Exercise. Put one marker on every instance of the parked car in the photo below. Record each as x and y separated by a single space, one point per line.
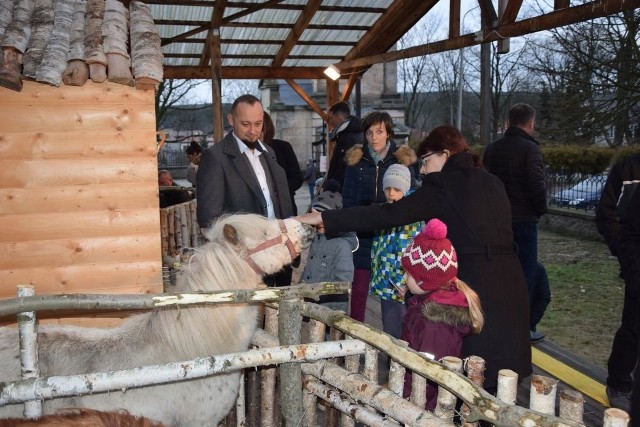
584 195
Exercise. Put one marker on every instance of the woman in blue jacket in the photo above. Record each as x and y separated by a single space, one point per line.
366 165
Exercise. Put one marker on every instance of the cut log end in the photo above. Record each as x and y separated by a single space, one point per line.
10 69
98 72
145 83
76 74
118 69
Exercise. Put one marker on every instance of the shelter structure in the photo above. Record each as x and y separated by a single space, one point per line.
79 184
299 39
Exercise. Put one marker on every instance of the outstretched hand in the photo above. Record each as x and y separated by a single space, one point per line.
312 218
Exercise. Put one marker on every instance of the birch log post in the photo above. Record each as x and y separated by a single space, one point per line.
268 386
543 394
14 43
507 386
28 333
77 71
289 324
446 401
475 367
571 405
396 374
6 15
94 52
54 59
614 417
146 50
41 28
115 34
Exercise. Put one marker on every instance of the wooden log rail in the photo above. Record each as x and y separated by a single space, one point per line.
326 370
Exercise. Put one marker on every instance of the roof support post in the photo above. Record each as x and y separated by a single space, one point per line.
216 81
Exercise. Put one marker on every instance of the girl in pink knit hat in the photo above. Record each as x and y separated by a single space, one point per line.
443 309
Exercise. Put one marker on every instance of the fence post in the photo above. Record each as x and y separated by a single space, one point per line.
543 394
267 389
29 367
289 323
507 386
571 405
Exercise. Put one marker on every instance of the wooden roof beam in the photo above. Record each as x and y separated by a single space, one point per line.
216 20
303 21
511 11
246 73
399 17
487 13
454 18
348 87
305 96
554 19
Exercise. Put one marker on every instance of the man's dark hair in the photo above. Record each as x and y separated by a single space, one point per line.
194 148
247 99
521 114
341 108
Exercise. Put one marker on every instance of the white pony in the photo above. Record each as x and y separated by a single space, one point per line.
237 242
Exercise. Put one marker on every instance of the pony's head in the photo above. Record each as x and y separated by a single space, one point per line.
266 245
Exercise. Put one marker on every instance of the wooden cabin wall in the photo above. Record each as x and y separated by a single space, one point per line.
78 190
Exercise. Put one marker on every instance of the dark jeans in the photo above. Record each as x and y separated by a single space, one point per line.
624 350
541 296
392 315
525 235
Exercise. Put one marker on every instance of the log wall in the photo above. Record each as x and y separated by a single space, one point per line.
78 190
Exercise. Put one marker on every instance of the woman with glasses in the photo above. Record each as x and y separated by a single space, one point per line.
366 165
475 207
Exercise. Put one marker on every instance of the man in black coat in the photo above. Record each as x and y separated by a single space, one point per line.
516 159
624 175
628 249
346 131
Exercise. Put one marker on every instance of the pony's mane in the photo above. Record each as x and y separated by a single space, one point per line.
215 266
218 265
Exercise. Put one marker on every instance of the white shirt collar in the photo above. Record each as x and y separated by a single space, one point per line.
243 147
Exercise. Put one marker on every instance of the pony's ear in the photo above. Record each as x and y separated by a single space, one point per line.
231 234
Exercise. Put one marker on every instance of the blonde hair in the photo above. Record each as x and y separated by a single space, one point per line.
475 308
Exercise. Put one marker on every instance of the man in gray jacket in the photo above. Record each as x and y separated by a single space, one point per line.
241 174
517 160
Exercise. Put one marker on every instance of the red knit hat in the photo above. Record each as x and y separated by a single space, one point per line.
431 258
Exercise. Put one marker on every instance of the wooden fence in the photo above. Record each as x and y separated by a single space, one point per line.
312 372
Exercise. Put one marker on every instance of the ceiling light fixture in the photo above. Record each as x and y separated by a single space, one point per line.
332 72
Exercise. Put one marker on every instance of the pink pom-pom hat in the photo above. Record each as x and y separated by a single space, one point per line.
431 258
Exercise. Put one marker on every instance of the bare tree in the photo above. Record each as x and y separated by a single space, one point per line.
595 71
176 92
416 75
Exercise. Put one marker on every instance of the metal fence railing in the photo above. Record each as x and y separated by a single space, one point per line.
574 191
168 158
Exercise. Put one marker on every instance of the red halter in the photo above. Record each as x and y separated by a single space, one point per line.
282 238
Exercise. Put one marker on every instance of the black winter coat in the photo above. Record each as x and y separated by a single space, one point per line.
286 157
475 207
345 139
517 160
627 169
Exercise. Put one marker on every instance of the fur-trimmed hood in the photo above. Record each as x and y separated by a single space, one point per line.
405 155
447 314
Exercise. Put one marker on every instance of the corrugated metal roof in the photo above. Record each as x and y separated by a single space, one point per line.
299 38
297 33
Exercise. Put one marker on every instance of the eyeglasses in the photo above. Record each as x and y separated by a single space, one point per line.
425 158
